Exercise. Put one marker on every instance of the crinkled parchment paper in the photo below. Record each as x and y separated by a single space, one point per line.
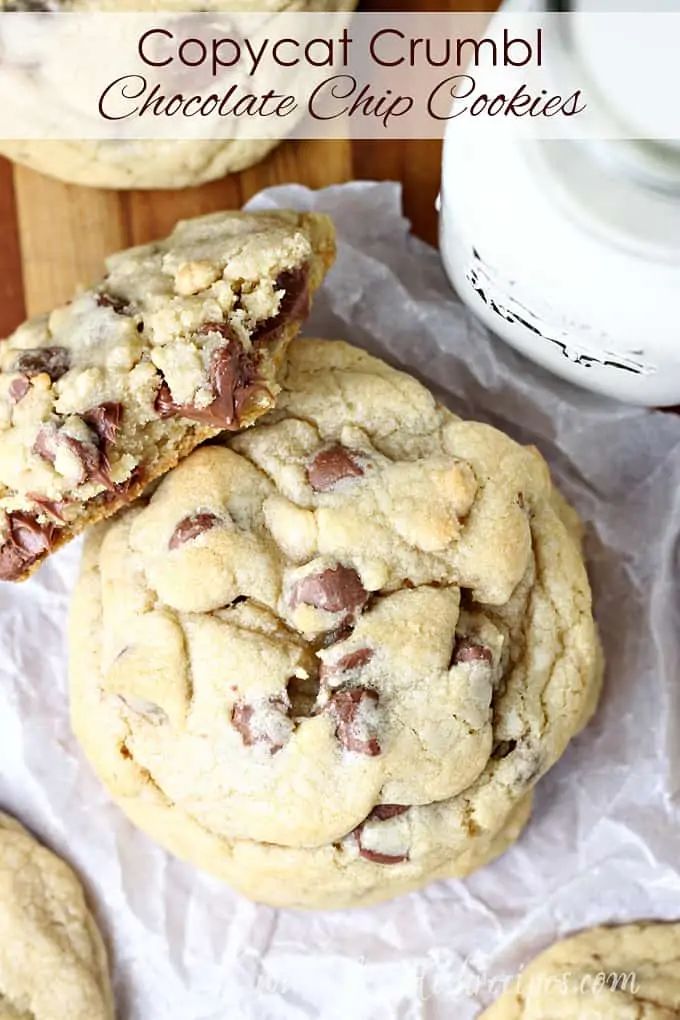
604 842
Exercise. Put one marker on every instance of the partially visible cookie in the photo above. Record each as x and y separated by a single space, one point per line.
631 972
330 658
143 163
53 962
183 338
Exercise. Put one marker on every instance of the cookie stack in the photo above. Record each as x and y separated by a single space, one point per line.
328 654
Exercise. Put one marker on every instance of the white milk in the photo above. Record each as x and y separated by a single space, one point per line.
570 250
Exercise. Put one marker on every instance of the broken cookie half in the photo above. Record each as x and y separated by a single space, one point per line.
182 339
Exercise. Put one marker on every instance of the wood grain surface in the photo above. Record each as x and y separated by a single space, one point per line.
55 236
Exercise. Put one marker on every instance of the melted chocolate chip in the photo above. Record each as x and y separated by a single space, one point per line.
53 507
293 306
93 459
467 650
164 405
233 375
95 464
54 361
26 542
335 590
18 388
351 708
223 328
105 419
122 490
331 466
190 528
234 379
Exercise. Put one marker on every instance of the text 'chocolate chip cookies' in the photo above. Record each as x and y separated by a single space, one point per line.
183 338
631 972
329 658
52 959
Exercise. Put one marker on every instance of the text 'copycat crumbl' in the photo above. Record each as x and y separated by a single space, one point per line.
330 657
182 338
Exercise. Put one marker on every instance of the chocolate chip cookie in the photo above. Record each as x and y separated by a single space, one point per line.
330 657
52 959
630 972
182 338
141 163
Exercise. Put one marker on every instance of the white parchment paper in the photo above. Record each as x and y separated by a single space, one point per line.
604 842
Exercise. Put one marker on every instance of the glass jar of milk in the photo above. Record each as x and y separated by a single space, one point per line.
570 249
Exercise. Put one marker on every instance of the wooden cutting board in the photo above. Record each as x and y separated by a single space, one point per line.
55 236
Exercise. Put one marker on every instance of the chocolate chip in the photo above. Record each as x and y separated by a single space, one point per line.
353 708
54 361
353 660
95 467
467 650
336 589
378 858
223 328
380 813
118 304
266 723
53 507
293 306
122 491
164 405
331 466
45 443
233 377
234 372
240 719
94 462
27 540
190 528
18 388
105 419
